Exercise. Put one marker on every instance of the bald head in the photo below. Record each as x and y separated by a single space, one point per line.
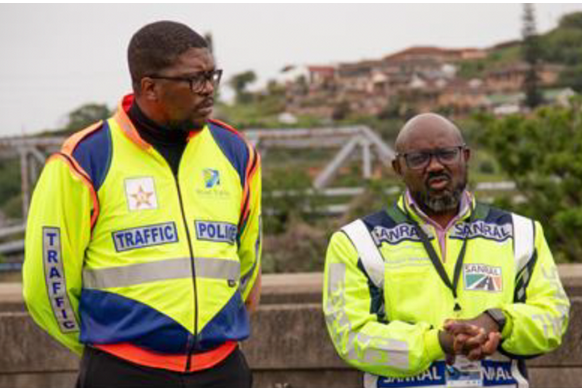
432 161
427 126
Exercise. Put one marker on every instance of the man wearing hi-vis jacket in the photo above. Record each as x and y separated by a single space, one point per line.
440 290
143 239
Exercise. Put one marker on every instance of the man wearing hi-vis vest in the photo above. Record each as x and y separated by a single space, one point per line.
143 239
440 290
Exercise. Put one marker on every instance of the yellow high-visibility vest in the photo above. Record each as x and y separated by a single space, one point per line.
384 301
119 250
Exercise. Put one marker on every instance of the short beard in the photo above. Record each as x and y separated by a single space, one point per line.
444 203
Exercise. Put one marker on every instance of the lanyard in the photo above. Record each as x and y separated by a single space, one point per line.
435 259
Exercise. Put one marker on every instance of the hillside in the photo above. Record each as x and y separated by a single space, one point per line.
560 46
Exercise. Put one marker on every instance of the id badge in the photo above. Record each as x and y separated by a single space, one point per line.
464 373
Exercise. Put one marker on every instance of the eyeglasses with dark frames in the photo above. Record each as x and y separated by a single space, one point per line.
197 82
421 159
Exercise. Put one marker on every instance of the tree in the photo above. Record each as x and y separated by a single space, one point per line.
542 153
239 82
532 55
572 20
85 115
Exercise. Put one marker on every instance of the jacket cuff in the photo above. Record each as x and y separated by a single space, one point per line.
507 331
433 346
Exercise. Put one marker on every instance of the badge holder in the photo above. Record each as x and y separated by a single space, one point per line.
464 373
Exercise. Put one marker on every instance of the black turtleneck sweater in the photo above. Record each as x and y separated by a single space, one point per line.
170 143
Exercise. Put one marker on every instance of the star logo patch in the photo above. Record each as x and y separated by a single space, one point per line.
140 193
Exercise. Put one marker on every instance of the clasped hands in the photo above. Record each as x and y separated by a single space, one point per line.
474 339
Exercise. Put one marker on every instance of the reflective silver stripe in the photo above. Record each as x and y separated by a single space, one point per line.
523 241
160 270
368 252
217 268
360 346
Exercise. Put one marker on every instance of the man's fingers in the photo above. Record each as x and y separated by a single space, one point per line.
475 354
477 340
459 342
448 325
460 327
492 343
486 349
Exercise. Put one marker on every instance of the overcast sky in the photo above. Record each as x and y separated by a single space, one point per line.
55 58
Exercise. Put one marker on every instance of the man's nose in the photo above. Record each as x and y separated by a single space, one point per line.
435 164
208 88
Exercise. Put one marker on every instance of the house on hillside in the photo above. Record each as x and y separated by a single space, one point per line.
511 78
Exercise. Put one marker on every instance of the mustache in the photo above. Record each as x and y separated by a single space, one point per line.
440 175
207 102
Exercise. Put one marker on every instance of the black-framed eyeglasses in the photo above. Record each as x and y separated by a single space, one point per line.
197 82
421 159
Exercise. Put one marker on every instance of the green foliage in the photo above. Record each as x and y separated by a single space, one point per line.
495 59
12 208
373 199
86 115
572 78
531 54
239 82
542 154
284 198
10 178
486 167
572 20
301 248
562 45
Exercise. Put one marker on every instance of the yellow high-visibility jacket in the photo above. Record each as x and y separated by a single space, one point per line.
384 301
119 250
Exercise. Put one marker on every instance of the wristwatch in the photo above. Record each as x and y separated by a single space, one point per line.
498 316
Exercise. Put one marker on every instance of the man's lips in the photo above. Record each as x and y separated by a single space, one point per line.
207 105
438 182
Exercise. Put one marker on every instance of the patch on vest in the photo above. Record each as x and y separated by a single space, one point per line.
55 280
480 277
211 177
140 193
145 236
212 185
216 231
490 231
493 373
398 233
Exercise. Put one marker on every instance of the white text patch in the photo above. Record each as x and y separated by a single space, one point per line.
216 231
55 280
144 236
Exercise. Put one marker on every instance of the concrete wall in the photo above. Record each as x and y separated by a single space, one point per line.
289 346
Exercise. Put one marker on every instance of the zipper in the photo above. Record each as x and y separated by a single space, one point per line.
191 341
